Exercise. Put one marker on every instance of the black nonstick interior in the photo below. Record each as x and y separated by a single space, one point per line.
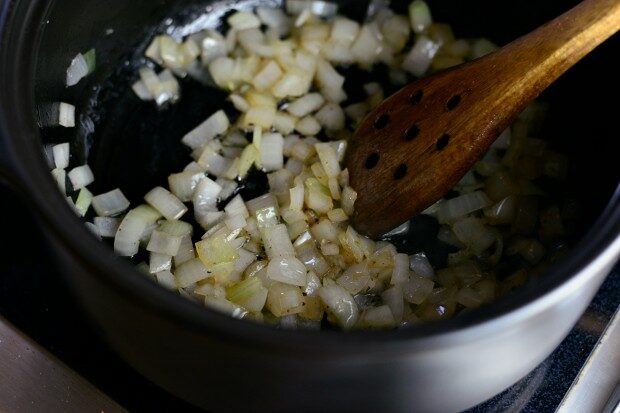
132 145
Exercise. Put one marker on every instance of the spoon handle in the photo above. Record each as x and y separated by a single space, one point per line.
531 63
416 145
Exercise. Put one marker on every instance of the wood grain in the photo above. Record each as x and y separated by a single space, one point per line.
491 91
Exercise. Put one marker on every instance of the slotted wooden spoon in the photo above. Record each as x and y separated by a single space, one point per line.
416 145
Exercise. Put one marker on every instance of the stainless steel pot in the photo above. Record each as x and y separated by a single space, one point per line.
229 365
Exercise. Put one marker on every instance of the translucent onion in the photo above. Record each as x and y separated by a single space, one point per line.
341 304
81 177
167 204
110 204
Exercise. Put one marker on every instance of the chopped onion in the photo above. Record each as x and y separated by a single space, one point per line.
183 184
243 20
191 272
60 175
107 226
417 289
66 115
378 317
308 126
110 204
368 45
277 242
287 270
164 243
81 176
420 16
420 265
215 125
61 155
393 298
127 239
159 262
474 234
305 105
316 7
81 66
167 204
271 152
284 299
456 208
400 273
419 59
83 202
341 304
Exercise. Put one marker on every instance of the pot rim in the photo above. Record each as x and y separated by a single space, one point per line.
597 250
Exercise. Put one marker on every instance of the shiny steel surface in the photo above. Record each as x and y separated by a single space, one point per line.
32 380
597 388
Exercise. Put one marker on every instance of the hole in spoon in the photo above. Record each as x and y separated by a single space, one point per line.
372 160
382 121
400 172
412 133
443 141
453 102
416 97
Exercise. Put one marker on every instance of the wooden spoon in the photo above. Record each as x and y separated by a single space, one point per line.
416 145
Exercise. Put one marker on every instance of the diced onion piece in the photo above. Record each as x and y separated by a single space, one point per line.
107 226
213 47
277 242
368 45
84 199
81 177
260 116
308 126
127 239
183 184
419 59
191 272
456 208
474 234
111 203
216 124
331 117
344 31
329 159
420 265
341 304
293 83
284 299
396 31
159 262
142 91
337 215
66 115
164 243
271 152
400 273
417 289
419 16
275 19
393 298
249 294
315 7
166 280
267 76
61 155
167 204
243 20
287 270
60 175
348 198
378 317
305 105
81 66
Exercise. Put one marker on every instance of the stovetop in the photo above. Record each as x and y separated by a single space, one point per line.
34 299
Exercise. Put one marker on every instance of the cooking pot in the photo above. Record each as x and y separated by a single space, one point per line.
223 364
